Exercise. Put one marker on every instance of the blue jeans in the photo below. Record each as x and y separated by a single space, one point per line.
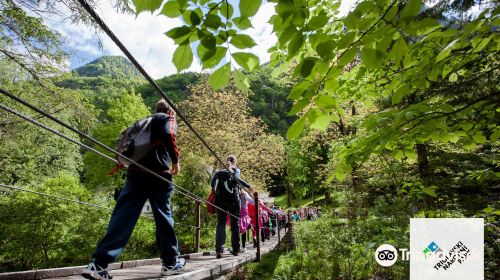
138 188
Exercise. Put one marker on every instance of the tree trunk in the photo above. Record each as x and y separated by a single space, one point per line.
423 162
288 196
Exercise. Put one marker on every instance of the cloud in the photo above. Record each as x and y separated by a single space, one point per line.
262 32
144 37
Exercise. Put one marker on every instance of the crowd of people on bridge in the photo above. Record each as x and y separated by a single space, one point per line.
306 213
234 202
236 208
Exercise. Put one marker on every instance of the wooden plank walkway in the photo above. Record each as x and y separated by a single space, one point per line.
198 266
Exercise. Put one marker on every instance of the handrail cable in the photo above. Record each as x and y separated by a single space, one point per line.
56 197
80 202
184 191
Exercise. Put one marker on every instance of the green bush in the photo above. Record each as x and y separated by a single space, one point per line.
336 249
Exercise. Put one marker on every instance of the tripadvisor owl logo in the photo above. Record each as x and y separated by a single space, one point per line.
386 255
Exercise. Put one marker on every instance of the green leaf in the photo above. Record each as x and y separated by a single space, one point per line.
171 9
346 40
422 27
319 120
410 10
179 34
242 23
295 44
226 9
453 77
447 50
430 192
372 58
248 8
495 135
325 49
195 18
325 102
287 34
242 41
399 50
348 56
298 89
479 138
398 95
352 19
332 84
220 78
183 57
220 52
307 66
285 9
205 53
241 80
482 43
146 5
318 22
296 128
298 107
213 21
248 61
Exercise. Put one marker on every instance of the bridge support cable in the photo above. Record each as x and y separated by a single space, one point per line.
181 190
65 199
56 197
91 12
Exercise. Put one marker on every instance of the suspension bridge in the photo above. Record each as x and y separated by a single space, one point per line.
199 265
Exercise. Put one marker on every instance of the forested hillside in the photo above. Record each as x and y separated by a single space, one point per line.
116 67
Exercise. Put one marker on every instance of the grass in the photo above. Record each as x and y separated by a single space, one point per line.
263 269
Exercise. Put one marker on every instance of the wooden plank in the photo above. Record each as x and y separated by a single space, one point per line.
198 266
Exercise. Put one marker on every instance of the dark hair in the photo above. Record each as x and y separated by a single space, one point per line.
232 159
163 107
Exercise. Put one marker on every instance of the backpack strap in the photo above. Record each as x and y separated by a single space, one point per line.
116 168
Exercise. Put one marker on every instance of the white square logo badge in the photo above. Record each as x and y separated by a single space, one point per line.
447 249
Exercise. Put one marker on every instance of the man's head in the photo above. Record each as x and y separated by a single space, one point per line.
163 107
231 162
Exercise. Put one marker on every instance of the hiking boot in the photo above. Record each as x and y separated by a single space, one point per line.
235 253
95 272
219 255
242 250
173 269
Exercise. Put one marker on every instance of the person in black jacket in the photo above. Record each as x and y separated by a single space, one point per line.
163 159
226 183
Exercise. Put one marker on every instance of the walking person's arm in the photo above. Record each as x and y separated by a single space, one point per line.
171 144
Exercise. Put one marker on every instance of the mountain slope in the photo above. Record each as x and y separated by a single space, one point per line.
116 67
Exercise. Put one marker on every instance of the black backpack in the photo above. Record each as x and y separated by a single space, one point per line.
134 142
226 188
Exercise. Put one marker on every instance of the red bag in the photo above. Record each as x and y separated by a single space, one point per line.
211 199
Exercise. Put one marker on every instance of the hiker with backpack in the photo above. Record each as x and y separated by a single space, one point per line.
226 183
151 143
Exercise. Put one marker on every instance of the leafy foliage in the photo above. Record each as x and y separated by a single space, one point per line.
223 118
123 111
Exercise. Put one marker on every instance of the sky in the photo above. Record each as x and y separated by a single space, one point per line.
145 37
